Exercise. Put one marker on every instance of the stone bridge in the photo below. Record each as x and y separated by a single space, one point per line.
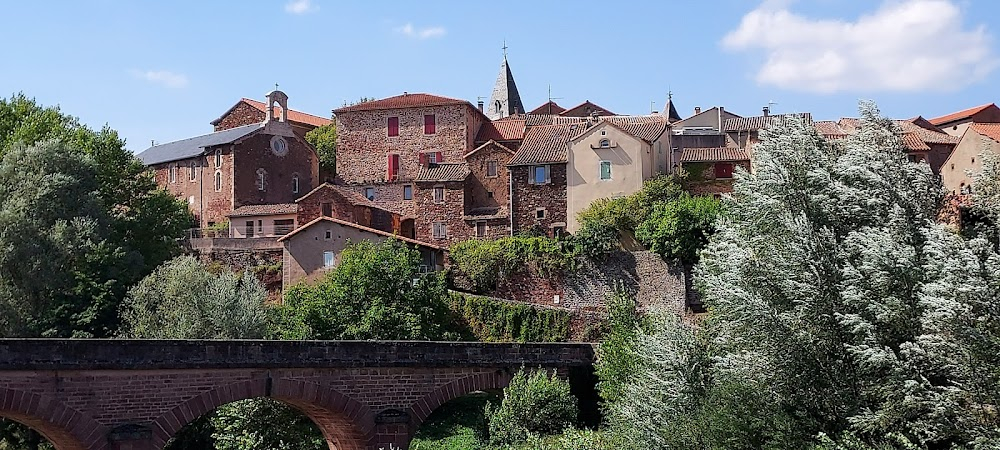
95 394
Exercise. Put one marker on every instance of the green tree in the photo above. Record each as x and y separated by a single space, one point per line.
533 405
680 228
324 140
375 292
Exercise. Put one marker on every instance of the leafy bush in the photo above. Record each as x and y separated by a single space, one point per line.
532 405
491 320
679 229
264 424
606 219
486 262
375 292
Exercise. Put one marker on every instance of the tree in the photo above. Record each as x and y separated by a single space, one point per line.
375 292
680 228
533 405
324 140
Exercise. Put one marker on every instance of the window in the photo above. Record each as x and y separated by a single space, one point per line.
604 132
261 179
393 124
173 173
295 184
440 230
192 170
498 105
539 213
327 209
283 226
489 194
539 175
218 181
327 235
260 225
248 228
328 259
481 229
407 192
432 158
491 169
438 194
723 170
370 193
279 146
218 158
392 168
605 143
558 232
605 170
430 124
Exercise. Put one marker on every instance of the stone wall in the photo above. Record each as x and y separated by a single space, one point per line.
449 212
255 153
527 198
241 114
205 202
483 191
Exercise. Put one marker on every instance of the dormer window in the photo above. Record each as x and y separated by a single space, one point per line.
605 143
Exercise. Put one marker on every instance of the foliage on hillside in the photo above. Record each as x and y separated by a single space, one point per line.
535 404
680 228
488 262
492 320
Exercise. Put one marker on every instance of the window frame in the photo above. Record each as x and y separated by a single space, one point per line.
405 188
539 213
218 158
439 230
372 189
482 229
262 180
431 126
439 189
295 184
600 170
604 143
392 126
495 165
193 171
533 176
329 259
218 181
172 172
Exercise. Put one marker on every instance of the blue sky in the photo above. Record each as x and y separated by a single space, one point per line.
164 70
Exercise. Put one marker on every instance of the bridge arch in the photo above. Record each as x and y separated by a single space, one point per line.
64 427
476 382
346 423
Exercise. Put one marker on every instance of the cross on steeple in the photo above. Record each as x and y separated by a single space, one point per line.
276 86
504 48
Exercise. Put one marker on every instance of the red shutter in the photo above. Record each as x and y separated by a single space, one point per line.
394 166
394 126
423 159
389 172
430 124
440 159
723 170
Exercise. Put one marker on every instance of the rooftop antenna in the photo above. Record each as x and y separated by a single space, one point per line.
549 104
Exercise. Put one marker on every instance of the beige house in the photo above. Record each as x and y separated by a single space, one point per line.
255 221
956 123
315 248
978 138
612 159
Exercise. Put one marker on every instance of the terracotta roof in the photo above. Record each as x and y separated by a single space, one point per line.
929 136
549 107
501 130
354 197
546 144
830 129
713 154
912 142
586 109
647 128
444 172
963 114
990 130
404 101
265 210
761 122
534 120
359 227
484 145
293 115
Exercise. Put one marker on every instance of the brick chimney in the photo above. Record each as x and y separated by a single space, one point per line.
767 111
697 110
480 105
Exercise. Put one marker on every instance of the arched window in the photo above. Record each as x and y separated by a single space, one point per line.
605 143
499 106
218 181
218 158
261 179
192 170
295 183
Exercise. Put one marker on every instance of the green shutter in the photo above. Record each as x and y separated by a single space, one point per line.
605 170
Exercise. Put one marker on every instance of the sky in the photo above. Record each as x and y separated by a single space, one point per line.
163 70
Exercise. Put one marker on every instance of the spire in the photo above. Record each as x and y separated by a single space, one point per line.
669 110
505 100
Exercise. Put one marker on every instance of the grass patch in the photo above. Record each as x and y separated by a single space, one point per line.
457 425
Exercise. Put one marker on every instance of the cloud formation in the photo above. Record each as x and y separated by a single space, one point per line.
907 45
163 77
300 7
410 31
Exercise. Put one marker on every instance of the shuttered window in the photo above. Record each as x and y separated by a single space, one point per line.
723 170
392 168
393 124
430 124
605 170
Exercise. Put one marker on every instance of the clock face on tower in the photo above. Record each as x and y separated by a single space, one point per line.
279 146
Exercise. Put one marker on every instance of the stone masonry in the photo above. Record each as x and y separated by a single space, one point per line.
528 199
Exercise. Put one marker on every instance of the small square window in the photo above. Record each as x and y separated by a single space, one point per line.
328 234
370 193
438 194
407 192
540 213
491 169
489 194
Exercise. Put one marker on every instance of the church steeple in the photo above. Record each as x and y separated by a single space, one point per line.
505 100
669 110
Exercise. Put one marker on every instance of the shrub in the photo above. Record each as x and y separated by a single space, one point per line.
536 404
606 219
491 320
486 262
679 229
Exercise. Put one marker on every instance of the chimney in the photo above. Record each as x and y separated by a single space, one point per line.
767 111
480 105
697 110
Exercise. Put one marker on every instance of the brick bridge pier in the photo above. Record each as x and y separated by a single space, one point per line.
135 394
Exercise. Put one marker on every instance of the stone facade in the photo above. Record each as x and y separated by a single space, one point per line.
239 115
447 212
528 199
702 180
254 155
209 206
485 192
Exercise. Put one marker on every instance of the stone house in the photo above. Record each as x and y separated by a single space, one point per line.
956 123
703 129
586 109
248 111
538 179
744 132
315 247
966 161
262 163
710 169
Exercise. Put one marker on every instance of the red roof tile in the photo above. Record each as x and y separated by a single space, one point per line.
546 144
501 130
550 107
761 122
990 130
830 129
912 142
444 172
404 101
713 154
586 109
293 115
351 196
647 128
963 114
265 210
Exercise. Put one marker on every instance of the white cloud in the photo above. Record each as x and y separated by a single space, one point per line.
163 77
420 33
906 45
300 7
